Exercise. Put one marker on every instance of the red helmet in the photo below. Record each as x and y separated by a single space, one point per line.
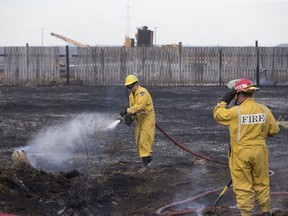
245 85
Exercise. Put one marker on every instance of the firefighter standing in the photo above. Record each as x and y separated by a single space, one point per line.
249 124
141 106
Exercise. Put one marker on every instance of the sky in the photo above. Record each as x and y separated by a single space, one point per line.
107 22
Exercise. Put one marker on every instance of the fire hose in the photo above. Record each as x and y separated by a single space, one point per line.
187 149
128 120
194 198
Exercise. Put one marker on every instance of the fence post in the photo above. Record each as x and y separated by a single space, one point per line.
67 65
257 63
180 62
220 66
27 62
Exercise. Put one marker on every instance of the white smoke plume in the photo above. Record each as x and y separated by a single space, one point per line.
55 146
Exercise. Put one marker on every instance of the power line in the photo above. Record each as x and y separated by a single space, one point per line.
128 19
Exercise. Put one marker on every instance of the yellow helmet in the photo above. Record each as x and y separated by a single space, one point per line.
130 79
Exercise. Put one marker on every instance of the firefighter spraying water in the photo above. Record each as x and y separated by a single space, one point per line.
109 164
141 110
241 90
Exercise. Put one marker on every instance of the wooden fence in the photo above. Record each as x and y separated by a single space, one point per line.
30 65
159 66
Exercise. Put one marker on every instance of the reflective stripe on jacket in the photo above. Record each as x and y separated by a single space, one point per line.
140 102
249 123
141 105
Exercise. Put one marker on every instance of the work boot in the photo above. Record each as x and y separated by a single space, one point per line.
266 214
147 160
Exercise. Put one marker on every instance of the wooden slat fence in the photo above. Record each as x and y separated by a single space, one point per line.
238 62
200 66
161 66
31 65
110 65
275 61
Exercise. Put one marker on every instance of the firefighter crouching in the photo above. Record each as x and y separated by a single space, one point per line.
249 124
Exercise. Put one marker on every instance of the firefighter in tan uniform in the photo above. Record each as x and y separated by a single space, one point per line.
249 125
141 107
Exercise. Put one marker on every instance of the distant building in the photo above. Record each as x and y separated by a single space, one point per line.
144 37
129 42
283 45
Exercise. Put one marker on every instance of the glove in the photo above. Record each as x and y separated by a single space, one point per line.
129 120
123 113
229 96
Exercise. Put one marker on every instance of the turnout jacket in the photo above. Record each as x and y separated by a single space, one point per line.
249 123
141 105
140 102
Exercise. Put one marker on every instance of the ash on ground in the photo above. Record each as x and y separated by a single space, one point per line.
102 174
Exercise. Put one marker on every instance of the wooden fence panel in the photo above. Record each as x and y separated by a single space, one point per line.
238 62
200 65
281 63
15 65
162 66
31 65
89 66
100 66
266 65
168 66
273 65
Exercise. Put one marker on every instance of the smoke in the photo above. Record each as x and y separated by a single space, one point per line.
55 147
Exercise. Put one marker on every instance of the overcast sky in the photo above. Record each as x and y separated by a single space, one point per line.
106 22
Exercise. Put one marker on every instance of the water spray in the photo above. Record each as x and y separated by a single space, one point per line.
125 118
54 148
114 124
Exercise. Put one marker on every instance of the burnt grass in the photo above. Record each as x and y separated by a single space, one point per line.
106 177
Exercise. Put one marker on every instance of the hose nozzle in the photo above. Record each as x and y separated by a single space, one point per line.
127 119
121 119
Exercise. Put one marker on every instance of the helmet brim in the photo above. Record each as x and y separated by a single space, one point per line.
249 89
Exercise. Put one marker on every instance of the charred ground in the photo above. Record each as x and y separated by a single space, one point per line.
108 180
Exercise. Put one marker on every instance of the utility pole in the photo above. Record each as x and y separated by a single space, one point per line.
128 19
42 36
155 35
257 64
